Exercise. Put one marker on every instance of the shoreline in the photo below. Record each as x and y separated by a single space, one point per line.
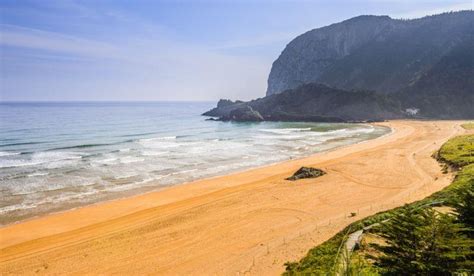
158 188
274 221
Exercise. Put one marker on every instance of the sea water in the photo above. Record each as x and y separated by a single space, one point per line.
56 156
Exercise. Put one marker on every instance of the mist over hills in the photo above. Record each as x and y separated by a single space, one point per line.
373 68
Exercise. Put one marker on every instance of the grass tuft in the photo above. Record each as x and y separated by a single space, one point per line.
458 151
469 125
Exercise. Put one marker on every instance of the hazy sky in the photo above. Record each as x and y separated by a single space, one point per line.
162 50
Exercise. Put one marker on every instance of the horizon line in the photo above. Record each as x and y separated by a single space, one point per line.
101 101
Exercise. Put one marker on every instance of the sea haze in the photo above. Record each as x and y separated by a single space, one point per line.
56 156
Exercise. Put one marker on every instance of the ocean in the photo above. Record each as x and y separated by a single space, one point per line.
61 155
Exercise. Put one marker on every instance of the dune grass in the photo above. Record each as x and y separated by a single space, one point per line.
469 125
457 153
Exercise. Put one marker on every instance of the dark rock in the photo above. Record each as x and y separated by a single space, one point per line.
306 172
224 107
243 114
224 102
319 103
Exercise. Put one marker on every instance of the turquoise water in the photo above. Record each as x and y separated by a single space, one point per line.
55 156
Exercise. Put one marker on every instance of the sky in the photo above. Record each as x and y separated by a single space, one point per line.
143 50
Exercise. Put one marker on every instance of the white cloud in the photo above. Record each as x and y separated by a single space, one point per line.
15 36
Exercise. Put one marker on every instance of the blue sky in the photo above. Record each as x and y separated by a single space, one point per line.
162 50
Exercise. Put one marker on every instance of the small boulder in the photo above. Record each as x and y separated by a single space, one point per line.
306 172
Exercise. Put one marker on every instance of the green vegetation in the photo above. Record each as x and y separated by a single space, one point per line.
458 151
422 241
413 239
320 259
469 125
465 205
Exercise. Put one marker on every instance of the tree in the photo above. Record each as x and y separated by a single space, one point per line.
421 241
465 205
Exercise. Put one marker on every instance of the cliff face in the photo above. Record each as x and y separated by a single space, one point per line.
309 55
369 52
446 91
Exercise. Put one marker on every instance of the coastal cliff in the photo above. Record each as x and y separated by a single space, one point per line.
370 52
370 68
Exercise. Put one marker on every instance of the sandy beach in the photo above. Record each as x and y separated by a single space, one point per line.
250 222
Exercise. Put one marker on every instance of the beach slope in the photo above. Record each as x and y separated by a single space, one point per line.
249 222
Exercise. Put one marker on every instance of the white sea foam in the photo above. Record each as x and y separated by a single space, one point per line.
7 153
44 184
55 156
157 139
158 144
126 175
16 207
11 163
285 130
368 129
39 158
130 159
184 171
106 161
129 186
153 153
37 203
38 174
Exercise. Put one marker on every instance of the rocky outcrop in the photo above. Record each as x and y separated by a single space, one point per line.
318 103
306 172
369 52
243 114
224 107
